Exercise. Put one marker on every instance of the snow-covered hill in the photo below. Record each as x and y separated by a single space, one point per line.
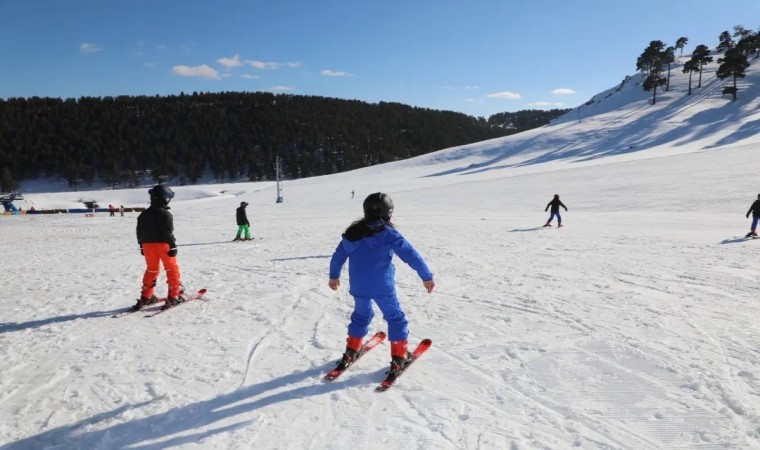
633 327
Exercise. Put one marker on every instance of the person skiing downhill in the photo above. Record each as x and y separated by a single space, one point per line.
155 236
754 209
555 203
243 223
369 245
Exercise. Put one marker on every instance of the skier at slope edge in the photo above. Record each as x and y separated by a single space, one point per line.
369 245
555 203
755 211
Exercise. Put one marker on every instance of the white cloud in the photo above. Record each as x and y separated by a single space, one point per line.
506 95
471 88
88 47
271 65
333 73
203 71
229 63
541 105
563 91
281 89
249 76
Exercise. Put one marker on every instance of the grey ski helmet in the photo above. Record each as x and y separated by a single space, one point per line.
161 191
378 206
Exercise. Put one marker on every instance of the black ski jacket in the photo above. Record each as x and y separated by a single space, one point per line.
754 209
240 215
156 224
555 204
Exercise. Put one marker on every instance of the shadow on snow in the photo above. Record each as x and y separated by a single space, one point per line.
18 326
192 417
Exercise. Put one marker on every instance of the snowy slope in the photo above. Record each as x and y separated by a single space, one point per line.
633 327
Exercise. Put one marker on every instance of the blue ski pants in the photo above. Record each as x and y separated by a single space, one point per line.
551 217
755 219
362 316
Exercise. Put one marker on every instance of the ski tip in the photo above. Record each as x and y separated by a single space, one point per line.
381 334
202 291
426 342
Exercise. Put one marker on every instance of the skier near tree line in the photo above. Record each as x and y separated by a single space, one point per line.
369 245
243 224
555 203
754 209
155 236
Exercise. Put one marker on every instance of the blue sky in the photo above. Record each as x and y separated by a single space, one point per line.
479 57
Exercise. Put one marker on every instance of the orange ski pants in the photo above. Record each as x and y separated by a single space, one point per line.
156 254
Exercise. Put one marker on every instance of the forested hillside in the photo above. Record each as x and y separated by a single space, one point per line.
125 140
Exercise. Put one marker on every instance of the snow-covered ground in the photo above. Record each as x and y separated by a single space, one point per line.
635 326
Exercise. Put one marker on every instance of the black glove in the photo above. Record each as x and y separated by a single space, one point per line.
141 251
173 252
747 216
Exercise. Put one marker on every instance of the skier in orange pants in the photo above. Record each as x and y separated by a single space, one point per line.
155 235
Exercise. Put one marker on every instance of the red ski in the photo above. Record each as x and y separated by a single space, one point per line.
369 345
195 296
392 377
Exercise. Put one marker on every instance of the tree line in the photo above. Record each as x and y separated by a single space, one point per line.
526 119
124 140
656 60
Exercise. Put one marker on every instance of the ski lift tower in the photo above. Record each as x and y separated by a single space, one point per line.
278 175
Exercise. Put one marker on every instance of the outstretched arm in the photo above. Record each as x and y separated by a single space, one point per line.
409 255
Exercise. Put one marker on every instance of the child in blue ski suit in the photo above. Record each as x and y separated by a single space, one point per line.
554 204
369 245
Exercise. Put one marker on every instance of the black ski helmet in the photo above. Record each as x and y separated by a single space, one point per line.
243 204
378 206
161 192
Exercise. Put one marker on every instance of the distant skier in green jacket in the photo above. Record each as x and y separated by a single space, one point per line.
243 224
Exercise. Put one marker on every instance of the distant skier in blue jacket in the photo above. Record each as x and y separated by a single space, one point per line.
369 245
554 205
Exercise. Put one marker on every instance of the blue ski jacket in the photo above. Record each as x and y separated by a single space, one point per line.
370 269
